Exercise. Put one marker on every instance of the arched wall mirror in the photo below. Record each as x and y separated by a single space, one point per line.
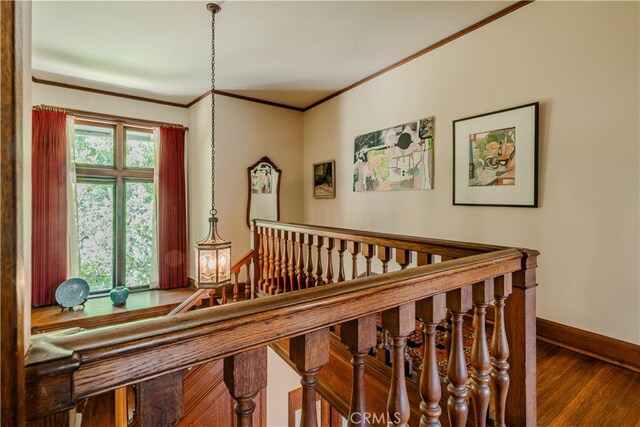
264 191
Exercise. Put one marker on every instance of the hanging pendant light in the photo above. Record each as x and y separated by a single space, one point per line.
213 253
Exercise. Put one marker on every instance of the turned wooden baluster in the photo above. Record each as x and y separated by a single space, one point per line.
247 281
369 252
342 246
223 300
265 256
330 246
458 303
400 322
359 336
310 281
403 258
500 350
278 265
300 266
292 262
430 311
309 353
318 272
480 362
245 374
260 266
272 253
285 262
235 286
384 254
354 248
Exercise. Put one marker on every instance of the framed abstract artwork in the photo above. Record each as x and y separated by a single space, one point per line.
495 158
395 158
324 178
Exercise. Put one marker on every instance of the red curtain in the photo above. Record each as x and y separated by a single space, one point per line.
172 210
49 205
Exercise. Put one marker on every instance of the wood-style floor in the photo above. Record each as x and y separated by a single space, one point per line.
577 390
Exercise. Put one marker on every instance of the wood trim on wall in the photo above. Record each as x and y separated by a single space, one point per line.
105 92
12 387
409 58
611 350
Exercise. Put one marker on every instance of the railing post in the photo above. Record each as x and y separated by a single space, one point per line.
480 362
458 303
400 322
431 311
359 336
520 314
245 374
309 352
160 400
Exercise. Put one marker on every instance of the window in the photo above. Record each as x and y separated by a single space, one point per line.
115 204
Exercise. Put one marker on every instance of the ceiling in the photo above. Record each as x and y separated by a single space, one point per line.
289 52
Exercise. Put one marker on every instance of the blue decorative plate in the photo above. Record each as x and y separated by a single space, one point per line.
72 292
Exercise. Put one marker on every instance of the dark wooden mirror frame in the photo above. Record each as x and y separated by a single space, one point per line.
267 160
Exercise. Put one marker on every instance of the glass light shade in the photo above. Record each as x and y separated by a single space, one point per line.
213 255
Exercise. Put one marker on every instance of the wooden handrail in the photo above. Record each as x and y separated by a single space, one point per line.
194 299
235 269
95 361
449 248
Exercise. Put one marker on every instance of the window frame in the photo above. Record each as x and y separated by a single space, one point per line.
119 174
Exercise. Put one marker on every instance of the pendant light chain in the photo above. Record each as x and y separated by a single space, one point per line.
213 212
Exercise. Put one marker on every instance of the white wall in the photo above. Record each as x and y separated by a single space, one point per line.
105 104
281 379
245 132
580 60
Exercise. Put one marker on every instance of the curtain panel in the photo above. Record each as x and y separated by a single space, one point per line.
172 212
49 210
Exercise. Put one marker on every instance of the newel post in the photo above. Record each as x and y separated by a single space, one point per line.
520 316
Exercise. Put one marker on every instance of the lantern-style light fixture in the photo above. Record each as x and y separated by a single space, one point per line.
213 253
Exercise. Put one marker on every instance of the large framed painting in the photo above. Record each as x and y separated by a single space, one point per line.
495 158
396 158
324 175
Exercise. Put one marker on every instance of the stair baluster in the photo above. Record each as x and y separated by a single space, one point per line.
354 248
403 258
359 336
245 374
285 262
318 272
369 252
458 303
330 246
384 254
292 262
259 268
430 311
480 362
300 266
342 246
272 253
309 352
500 350
310 281
400 322
278 264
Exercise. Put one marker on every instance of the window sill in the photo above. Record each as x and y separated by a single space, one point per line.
99 311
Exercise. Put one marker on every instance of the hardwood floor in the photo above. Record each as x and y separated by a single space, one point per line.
577 390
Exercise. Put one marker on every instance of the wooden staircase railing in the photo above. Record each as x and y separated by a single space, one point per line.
65 367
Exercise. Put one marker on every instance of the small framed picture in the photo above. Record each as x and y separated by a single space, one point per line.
324 176
495 158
